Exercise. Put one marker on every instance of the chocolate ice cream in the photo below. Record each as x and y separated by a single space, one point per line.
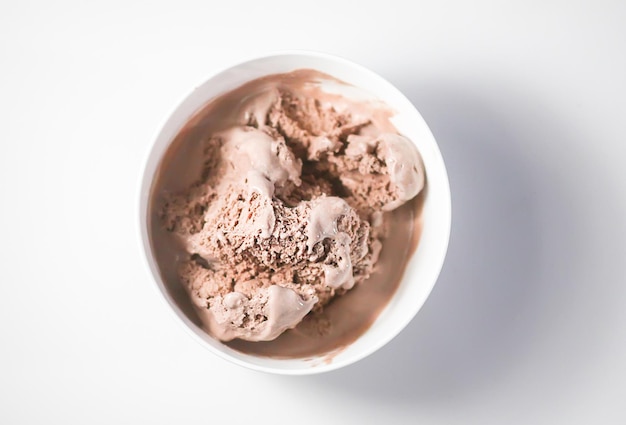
275 200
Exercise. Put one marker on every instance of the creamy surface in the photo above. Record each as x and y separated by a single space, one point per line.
254 157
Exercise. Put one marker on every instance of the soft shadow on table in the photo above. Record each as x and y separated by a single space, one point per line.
486 309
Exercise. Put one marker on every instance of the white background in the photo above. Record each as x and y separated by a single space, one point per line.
527 324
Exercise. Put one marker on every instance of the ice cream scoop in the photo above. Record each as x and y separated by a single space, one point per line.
278 234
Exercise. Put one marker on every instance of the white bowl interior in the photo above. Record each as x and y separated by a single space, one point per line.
423 268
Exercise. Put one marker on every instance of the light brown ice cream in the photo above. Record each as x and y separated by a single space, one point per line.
274 201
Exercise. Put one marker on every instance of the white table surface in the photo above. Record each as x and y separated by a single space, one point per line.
527 324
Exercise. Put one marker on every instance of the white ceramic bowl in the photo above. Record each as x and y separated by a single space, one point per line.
423 269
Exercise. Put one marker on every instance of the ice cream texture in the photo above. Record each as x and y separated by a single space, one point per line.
284 204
